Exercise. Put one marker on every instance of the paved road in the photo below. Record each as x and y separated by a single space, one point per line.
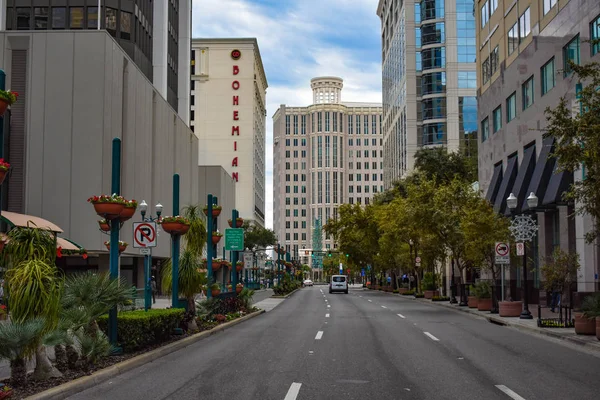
364 345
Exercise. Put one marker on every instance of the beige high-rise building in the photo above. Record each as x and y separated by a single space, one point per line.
324 155
228 101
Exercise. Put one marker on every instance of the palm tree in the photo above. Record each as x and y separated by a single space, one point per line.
191 279
34 286
18 342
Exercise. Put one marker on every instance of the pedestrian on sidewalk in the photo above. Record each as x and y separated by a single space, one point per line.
153 288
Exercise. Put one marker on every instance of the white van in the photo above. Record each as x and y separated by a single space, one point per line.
338 283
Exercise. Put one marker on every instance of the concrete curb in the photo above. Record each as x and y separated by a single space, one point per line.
80 384
286 296
493 318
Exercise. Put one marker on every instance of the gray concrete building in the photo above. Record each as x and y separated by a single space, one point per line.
324 155
522 68
78 91
429 80
155 35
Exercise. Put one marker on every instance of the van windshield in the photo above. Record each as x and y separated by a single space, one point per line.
339 279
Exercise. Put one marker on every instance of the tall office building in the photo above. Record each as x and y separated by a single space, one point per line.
429 80
156 35
324 155
524 49
229 115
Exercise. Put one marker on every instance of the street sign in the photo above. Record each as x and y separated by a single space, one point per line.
248 259
362 272
418 260
502 251
144 234
521 249
234 239
145 251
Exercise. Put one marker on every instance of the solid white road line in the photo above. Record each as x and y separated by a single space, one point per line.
383 307
509 392
326 315
401 316
319 335
430 336
292 393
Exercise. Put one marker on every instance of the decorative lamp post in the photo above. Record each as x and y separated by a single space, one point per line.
148 256
523 229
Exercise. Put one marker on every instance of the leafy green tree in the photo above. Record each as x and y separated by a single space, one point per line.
256 237
577 142
442 166
560 270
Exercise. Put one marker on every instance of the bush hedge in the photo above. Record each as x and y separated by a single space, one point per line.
440 298
138 329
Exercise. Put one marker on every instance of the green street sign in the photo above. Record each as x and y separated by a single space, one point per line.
234 239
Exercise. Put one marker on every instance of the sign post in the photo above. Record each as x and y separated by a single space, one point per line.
145 238
520 249
502 251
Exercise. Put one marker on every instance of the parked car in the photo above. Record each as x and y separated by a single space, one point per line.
308 282
338 283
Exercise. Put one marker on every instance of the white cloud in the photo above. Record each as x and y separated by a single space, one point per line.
300 40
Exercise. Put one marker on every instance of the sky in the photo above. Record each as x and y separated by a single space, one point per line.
300 40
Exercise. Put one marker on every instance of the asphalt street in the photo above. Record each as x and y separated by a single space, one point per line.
364 345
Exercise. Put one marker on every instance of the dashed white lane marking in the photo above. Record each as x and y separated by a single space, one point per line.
509 392
401 316
430 336
370 301
326 315
319 335
359 296
292 393
328 305
383 307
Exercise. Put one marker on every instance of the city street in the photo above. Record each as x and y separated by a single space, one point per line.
364 345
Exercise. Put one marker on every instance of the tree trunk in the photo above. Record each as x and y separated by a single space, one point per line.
418 287
191 323
18 372
62 363
72 356
44 369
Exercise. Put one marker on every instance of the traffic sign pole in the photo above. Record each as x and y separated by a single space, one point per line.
234 254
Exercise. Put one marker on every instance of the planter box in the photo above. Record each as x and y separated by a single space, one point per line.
484 304
584 326
431 293
472 302
510 308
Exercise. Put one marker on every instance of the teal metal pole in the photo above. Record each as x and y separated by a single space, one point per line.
214 229
175 246
3 87
209 247
114 235
148 288
234 254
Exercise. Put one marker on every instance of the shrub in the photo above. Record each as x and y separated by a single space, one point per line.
419 295
138 329
440 298
395 290
409 293
285 287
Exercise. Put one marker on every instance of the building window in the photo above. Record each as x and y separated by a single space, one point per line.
434 134
467 80
24 18
287 124
513 38
92 17
547 5
547 75
59 17
595 35
327 121
40 15
485 70
125 25
571 54
528 93
432 33
320 122
494 61
497 115
511 107
111 20
76 17
434 58
524 25
485 14
429 9
436 83
485 129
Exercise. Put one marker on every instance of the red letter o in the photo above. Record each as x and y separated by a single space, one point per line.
235 85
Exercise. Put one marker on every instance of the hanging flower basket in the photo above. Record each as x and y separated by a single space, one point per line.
175 225
4 167
109 207
216 264
226 264
7 98
238 223
122 246
216 210
215 289
238 288
216 237
104 225
129 210
239 266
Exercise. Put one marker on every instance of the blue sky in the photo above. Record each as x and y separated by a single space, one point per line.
299 40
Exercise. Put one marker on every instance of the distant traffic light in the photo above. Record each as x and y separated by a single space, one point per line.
329 254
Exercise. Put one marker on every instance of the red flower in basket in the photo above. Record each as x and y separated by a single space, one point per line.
109 207
4 166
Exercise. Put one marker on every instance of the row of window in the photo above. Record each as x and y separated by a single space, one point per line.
295 177
361 189
332 122
359 200
487 9
359 165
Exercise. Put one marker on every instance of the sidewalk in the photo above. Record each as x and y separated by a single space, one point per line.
526 325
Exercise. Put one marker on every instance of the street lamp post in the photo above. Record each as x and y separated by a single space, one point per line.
523 229
148 257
